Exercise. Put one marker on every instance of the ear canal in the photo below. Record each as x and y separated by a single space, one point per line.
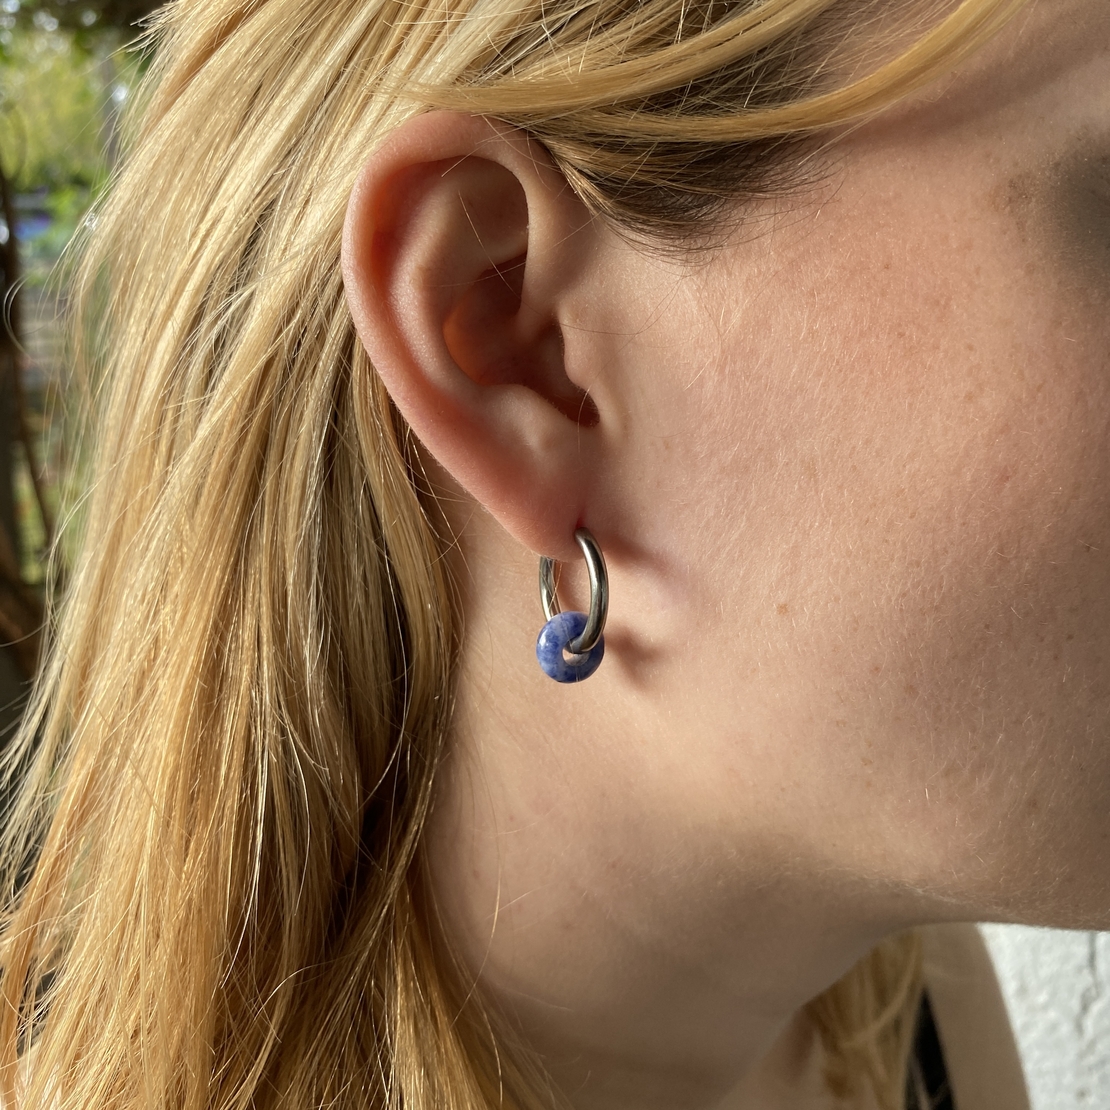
492 332
475 330
482 332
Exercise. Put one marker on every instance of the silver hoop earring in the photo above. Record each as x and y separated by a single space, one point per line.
571 645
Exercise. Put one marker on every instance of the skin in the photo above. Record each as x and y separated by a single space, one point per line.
850 473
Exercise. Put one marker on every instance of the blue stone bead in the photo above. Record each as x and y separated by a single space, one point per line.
554 637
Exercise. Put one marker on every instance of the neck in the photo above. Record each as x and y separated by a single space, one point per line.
648 961
645 895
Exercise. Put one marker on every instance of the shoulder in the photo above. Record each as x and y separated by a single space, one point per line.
984 1067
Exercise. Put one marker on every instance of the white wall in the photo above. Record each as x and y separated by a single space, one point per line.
1057 989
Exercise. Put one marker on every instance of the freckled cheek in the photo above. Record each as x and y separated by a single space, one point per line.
990 486
1029 423
1041 460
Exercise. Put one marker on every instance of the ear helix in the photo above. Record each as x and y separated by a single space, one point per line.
571 646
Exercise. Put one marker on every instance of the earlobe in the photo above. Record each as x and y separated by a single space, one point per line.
460 252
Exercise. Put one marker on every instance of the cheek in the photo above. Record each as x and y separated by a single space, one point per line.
941 410
990 480
903 469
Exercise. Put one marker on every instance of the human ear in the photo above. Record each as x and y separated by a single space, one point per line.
461 251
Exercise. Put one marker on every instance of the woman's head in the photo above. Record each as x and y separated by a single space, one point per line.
850 470
789 386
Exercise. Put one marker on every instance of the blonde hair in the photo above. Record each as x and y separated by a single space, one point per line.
215 891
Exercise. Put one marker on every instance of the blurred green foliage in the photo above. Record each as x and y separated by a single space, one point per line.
84 18
51 117
60 97
63 80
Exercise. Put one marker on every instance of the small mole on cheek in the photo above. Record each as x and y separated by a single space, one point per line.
1016 197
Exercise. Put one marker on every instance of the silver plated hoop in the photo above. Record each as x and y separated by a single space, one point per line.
599 592
571 645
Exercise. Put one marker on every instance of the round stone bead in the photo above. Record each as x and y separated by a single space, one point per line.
552 642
